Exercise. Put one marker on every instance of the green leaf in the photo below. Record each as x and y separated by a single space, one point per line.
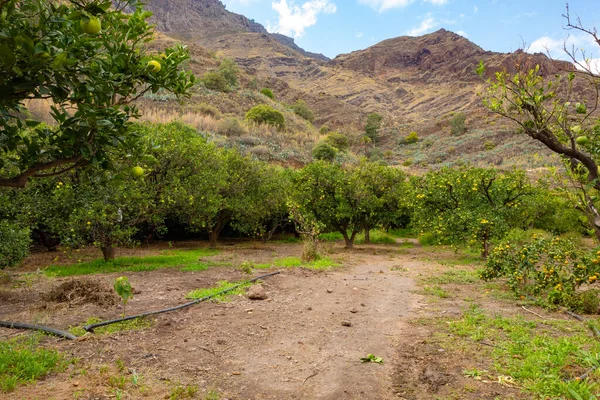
7 56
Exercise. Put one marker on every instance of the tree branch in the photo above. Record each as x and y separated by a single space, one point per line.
20 181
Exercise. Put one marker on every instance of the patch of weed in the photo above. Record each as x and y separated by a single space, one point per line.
130 325
221 285
376 237
291 262
331 237
287 262
458 276
436 291
542 357
187 260
408 233
22 361
181 392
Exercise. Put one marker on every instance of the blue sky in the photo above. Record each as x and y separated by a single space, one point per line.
332 27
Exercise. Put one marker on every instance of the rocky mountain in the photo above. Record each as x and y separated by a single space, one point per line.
417 83
203 21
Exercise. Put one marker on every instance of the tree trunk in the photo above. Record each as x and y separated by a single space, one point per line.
349 240
367 234
213 235
486 247
108 251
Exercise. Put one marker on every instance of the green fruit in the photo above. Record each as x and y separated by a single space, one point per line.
154 66
137 172
582 140
92 26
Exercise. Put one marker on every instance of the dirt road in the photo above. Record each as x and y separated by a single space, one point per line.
304 342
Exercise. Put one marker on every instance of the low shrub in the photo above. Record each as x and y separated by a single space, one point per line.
268 92
412 137
214 80
324 151
265 114
14 244
338 140
554 269
231 127
302 110
207 109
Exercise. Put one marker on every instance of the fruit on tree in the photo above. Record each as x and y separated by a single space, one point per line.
582 140
92 27
137 172
154 66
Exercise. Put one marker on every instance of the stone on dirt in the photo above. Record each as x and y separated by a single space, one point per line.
257 292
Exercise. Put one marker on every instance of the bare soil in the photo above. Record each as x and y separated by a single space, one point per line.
304 341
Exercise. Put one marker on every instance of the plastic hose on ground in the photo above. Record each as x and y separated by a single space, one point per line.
57 332
90 328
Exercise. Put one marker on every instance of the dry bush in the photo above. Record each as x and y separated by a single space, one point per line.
82 291
261 152
204 123
232 127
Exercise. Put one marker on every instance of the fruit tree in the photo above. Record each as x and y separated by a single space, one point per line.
87 61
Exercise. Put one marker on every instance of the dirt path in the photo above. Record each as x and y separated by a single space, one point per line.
305 351
293 345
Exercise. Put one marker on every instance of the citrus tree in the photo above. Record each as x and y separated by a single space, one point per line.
206 188
471 206
324 192
87 59
382 193
559 111
106 209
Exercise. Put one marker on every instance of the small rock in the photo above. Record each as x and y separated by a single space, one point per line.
353 310
329 291
236 373
309 308
257 292
362 304
346 323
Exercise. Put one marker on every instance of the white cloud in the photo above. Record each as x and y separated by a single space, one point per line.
293 19
384 5
427 23
475 9
583 46
359 34
462 33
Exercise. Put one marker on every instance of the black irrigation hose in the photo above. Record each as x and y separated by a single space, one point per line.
90 328
57 332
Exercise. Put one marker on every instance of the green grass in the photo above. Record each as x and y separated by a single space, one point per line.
221 285
376 236
542 357
400 233
331 237
131 325
322 263
462 259
458 276
22 361
187 260
436 291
